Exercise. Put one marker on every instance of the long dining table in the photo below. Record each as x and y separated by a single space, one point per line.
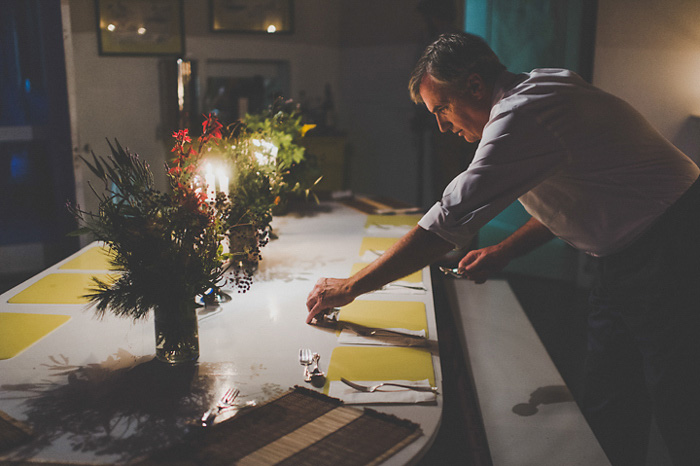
91 391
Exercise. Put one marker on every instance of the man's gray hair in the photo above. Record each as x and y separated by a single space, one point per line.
451 59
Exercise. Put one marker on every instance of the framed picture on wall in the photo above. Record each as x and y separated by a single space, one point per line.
256 16
140 27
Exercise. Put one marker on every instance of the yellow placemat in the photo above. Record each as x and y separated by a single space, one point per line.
376 244
18 331
96 258
59 288
393 220
415 277
360 363
386 314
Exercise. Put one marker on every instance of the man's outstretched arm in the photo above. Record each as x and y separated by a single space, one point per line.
415 250
480 264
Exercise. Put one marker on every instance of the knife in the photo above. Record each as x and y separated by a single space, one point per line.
363 331
331 317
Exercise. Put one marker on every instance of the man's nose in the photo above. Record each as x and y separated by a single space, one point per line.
443 124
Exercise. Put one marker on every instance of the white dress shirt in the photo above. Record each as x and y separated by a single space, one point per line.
581 161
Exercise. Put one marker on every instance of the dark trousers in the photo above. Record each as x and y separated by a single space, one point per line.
644 341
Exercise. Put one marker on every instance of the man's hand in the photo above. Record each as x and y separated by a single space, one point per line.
412 252
327 294
481 264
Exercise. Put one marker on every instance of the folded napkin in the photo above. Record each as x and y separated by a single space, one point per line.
369 365
386 394
360 316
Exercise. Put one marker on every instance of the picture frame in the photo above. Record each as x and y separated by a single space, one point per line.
252 16
140 27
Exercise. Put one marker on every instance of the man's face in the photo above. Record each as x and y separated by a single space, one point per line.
465 113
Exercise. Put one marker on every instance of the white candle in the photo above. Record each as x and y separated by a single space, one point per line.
210 181
223 182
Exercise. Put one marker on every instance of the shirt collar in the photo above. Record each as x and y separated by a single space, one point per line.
505 82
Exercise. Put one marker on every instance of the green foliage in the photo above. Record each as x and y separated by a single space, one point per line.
166 244
169 245
297 171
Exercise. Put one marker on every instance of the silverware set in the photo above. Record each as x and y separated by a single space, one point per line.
225 403
331 318
313 375
451 271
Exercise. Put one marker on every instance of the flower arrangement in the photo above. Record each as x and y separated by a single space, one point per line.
168 245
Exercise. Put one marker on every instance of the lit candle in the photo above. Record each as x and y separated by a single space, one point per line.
223 182
210 181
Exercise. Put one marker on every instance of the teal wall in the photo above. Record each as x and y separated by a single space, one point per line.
528 34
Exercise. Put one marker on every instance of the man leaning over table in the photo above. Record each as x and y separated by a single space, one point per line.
591 171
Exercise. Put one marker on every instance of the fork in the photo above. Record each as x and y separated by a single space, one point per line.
374 388
224 402
306 357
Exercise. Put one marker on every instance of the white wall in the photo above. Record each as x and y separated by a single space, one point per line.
381 42
119 97
648 53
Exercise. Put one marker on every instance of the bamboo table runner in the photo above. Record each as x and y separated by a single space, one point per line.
301 427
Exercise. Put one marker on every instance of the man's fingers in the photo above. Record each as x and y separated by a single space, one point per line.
316 310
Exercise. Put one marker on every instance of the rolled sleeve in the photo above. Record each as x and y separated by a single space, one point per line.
436 221
514 156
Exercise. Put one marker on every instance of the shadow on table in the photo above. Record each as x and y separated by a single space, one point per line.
124 407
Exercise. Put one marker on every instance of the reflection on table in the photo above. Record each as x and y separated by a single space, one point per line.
92 392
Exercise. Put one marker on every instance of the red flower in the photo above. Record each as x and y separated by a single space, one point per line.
181 136
211 128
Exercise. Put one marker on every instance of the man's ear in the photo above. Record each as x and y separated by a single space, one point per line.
476 86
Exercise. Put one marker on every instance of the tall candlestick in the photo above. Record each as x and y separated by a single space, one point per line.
223 182
210 181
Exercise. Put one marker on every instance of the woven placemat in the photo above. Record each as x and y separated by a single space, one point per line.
300 427
12 432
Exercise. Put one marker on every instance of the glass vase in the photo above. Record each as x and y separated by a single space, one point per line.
177 333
